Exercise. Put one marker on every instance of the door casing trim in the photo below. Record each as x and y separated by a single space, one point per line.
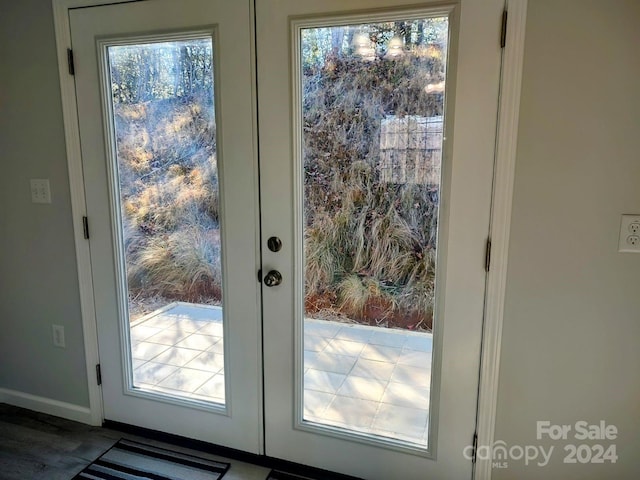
508 115
500 227
78 201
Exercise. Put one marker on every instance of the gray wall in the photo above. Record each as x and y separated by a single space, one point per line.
38 280
571 344
572 324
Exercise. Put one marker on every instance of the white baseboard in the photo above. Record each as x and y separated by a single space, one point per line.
46 405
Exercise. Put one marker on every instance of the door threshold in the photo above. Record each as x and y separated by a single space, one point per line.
231 453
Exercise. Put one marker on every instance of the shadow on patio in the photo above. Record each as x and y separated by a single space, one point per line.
368 379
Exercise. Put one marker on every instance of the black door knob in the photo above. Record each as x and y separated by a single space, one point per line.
273 278
274 244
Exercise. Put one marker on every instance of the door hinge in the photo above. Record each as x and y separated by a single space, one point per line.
474 455
487 255
85 227
72 66
98 374
503 32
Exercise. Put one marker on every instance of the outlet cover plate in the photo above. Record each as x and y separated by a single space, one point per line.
629 234
58 336
40 190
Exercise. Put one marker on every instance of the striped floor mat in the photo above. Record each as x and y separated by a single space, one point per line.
129 460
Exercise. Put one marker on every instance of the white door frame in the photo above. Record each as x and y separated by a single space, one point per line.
508 115
500 227
78 202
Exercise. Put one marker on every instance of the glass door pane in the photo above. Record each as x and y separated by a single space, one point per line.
162 104
372 108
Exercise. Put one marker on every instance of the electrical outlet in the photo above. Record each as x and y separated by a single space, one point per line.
58 336
40 190
629 234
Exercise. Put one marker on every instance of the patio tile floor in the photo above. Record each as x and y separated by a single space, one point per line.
368 379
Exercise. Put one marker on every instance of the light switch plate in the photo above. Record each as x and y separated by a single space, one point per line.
58 336
40 190
630 234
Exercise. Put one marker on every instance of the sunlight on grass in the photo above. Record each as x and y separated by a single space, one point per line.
163 104
372 134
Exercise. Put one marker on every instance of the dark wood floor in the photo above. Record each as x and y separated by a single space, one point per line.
35 446
38 446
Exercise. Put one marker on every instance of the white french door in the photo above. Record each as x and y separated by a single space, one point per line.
356 179
165 107
365 221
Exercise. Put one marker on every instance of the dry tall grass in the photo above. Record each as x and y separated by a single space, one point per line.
169 189
369 244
